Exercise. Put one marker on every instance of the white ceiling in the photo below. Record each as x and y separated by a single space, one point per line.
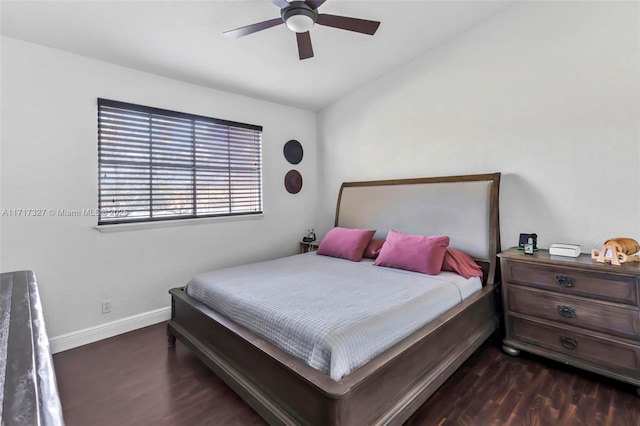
183 40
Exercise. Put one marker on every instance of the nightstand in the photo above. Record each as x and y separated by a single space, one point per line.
573 310
307 247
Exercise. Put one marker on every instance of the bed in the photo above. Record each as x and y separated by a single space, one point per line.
387 389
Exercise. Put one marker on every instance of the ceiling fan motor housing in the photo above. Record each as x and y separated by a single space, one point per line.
298 8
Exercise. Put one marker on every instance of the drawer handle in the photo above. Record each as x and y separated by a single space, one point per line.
568 342
564 280
566 311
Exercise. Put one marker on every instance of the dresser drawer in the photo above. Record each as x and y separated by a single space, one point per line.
617 321
615 288
599 352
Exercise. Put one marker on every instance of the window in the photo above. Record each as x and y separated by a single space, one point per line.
156 164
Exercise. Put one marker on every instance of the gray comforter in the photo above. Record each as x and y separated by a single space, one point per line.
333 314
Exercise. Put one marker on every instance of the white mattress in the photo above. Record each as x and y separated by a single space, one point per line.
333 314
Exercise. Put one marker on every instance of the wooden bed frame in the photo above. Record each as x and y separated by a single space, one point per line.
386 390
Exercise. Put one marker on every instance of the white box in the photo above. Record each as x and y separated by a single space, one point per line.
569 250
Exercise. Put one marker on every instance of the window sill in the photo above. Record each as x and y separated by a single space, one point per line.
121 227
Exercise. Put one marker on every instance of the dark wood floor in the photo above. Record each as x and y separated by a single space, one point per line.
134 379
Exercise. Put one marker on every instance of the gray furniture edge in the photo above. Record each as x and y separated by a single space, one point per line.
28 389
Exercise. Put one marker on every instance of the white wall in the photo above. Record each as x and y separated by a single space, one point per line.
545 92
49 147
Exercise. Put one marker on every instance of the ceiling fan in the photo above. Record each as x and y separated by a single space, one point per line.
300 17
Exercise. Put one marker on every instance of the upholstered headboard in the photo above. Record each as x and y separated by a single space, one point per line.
463 207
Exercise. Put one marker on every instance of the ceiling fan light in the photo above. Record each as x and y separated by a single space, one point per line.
299 23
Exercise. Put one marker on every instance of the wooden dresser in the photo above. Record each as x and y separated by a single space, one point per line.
573 310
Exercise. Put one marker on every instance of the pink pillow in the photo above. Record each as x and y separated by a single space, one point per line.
413 252
345 243
373 249
459 262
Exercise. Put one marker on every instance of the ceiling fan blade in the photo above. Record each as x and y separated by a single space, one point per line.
280 3
314 3
351 24
253 28
305 50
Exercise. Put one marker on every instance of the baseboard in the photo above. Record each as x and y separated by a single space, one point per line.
104 331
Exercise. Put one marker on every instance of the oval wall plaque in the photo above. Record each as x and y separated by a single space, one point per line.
293 181
293 151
